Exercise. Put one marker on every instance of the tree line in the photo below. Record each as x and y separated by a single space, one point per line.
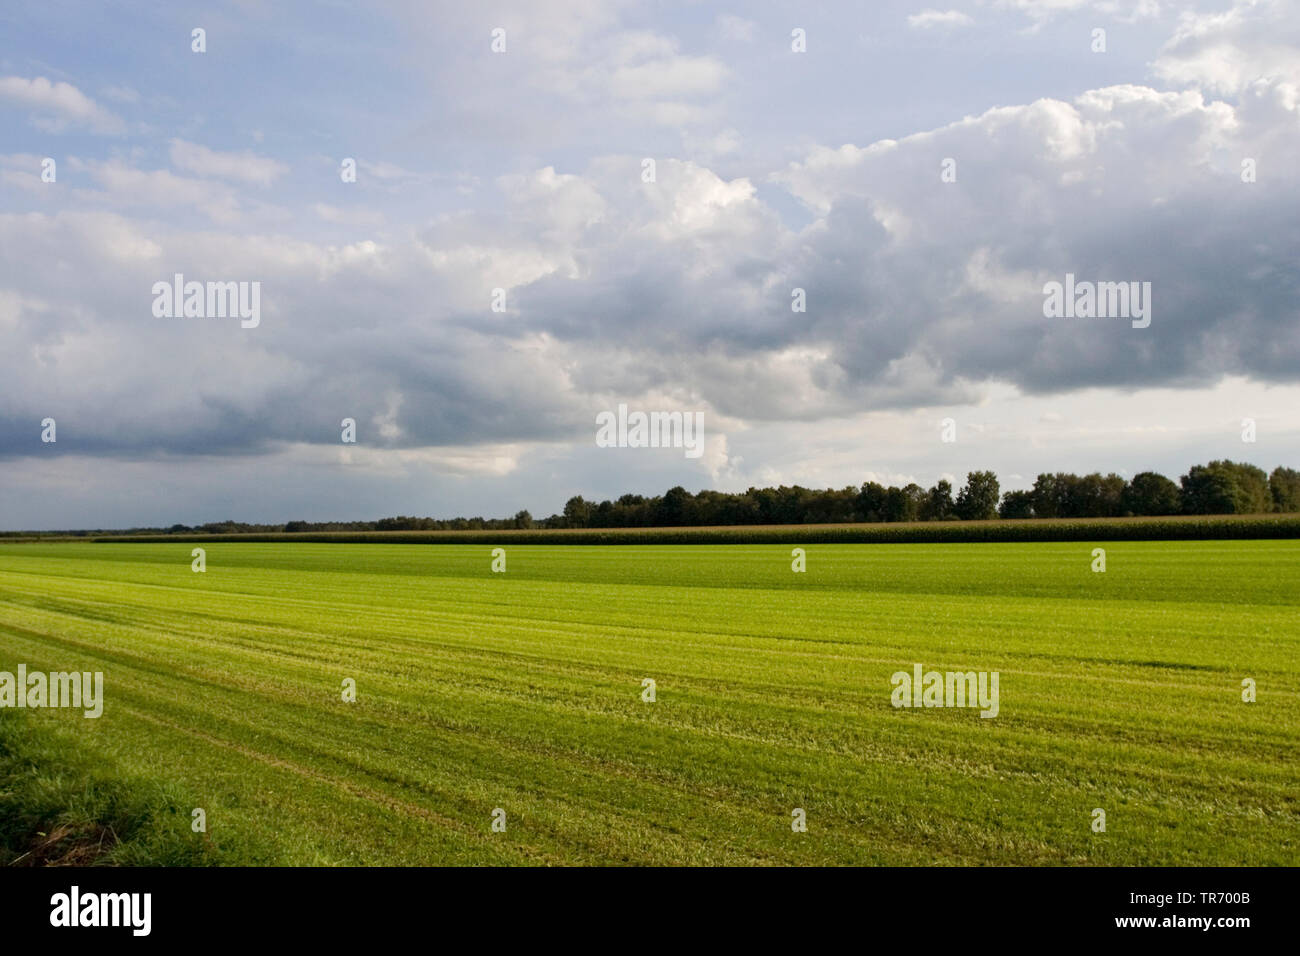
1221 487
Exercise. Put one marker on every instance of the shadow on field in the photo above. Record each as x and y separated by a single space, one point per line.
58 807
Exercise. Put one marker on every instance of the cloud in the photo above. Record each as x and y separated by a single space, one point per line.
732 27
351 215
23 171
245 166
58 106
121 94
1125 11
573 62
921 294
667 76
929 19
125 185
1256 41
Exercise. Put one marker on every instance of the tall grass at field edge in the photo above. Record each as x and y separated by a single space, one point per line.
1174 528
62 806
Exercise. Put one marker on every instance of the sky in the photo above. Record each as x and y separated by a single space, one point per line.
503 269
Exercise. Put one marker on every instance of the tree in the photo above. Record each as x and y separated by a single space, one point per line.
673 507
870 505
916 496
938 503
1253 495
1218 487
1284 488
790 504
1093 496
900 505
1064 495
1017 504
1049 495
1225 487
1208 491
603 516
978 501
577 512
1150 493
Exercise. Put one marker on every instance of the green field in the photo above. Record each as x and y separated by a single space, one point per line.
523 691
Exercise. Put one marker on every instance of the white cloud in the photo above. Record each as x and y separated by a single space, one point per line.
245 166
127 185
387 171
23 171
732 27
348 215
582 53
121 94
928 19
58 106
1225 52
1125 11
668 76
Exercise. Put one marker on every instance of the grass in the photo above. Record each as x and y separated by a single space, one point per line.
61 806
522 691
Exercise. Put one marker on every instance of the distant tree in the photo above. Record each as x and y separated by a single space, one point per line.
1208 491
790 504
630 511
978 500
1017 504
916 496
1150 493
871 502
1219 487
1065 495
899 505
764 504
1103 495
1225 487
938 504
1284 488
728 509
577 512
832 505
400 523
674 507
1253 496
1050 493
